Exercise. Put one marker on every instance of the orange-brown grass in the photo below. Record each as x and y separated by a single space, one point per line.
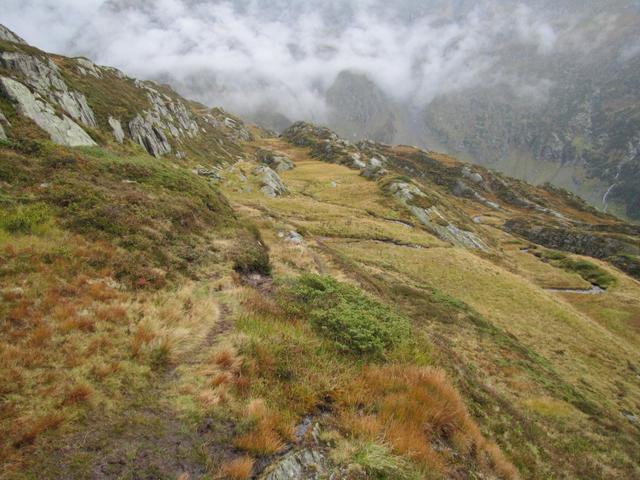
30 431
411 408
144 335
270 432
111 313
227 359
78 393
237 469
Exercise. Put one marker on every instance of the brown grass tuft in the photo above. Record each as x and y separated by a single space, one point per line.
37 427
410 408
237 469
79 393
227 359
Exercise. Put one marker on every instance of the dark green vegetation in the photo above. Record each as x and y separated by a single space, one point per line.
587 270
344 314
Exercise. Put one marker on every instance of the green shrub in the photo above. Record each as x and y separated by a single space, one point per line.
24 219
343 313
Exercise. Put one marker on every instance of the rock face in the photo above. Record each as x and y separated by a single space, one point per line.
275 160
272 185
152 138
62 130
8 36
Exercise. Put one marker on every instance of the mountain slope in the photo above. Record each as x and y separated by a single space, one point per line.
184 296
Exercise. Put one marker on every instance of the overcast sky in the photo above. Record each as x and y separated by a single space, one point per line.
286 53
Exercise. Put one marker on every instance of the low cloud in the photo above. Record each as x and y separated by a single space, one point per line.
243 55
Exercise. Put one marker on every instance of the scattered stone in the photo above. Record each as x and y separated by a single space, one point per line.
629 416
62 130
472 176
213 173
333 184
294 237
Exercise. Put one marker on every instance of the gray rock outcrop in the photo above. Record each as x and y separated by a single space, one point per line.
8 36
63 130
433 218
272 185
44 77
145 132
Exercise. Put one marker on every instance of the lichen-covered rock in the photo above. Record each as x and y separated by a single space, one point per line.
116 127
87 67
272 185
275 160
3 136
307 464
62 130
151 137
8 36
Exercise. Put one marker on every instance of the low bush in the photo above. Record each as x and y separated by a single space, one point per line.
354 321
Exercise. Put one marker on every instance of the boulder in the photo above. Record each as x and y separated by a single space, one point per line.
116 126
472 176
275 160
272 185
62 130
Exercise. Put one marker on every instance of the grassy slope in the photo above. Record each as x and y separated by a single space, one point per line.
130 346
560 364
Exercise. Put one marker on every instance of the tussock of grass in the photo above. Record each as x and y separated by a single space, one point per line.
238 468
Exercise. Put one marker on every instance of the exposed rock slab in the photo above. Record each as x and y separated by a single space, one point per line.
63 130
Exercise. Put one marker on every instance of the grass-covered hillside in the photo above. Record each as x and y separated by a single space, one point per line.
185 297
